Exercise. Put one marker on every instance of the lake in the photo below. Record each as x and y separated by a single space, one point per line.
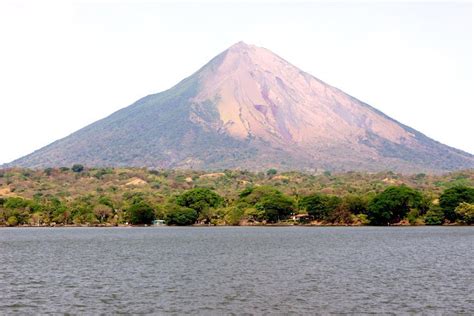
237 270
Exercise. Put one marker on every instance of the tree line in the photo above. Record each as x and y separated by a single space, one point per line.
254 205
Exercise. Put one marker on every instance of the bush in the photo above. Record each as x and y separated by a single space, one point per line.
412 216
233 215
360 219
12 221
435 216
15 203
180 216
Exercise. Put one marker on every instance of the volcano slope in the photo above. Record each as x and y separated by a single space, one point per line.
250 109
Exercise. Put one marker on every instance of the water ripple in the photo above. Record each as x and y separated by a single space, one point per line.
237 270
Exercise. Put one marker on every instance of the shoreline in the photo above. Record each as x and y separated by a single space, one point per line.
217 226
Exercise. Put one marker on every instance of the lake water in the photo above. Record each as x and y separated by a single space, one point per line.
237 270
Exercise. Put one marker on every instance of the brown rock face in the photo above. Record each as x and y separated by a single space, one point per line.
250 109
260 94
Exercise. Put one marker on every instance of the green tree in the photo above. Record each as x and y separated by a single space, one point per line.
105 200
320 206
141 213
252 195
48 171
393 204
57 211
19 208
356 204
161 210
425 203
77 168
200 200
266 203
465 213
276 207
271 172
180 215
253 214
16 203
413 216
233 215
452 197
435 216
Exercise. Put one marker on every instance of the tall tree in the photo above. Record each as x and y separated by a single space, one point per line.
393 204
452 197
199 199
319 206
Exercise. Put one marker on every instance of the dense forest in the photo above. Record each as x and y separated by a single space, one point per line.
138 196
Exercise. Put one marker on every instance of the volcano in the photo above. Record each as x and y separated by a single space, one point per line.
250 109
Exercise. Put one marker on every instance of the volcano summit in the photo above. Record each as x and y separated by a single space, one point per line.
250 109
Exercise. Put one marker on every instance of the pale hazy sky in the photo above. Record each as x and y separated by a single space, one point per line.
65 64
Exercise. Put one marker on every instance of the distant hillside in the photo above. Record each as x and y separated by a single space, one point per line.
250 109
